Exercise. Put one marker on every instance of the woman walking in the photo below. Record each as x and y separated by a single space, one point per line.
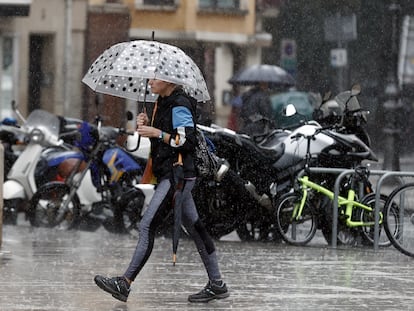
172 134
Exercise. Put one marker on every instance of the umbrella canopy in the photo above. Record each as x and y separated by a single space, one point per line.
274 75
123 70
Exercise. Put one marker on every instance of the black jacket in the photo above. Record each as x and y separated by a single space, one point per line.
164 155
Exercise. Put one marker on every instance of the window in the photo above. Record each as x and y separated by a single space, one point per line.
158 2
219 4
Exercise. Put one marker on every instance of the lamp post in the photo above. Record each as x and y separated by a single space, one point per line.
392 105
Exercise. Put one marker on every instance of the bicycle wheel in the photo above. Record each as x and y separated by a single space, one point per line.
399 219
46 207
367 216
292 231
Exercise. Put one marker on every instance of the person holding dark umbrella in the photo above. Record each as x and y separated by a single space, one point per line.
256 109
171 130
256 113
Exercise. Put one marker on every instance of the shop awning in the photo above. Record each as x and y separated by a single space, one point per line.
15 7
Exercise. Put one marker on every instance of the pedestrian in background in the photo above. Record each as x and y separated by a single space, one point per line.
256 109
171 131
236 104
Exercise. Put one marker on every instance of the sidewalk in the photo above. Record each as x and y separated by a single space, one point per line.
49 270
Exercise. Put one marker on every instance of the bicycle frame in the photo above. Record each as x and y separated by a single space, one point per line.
349 202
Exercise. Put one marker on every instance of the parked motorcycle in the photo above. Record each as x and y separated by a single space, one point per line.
40 131
102 186
268 168
9 138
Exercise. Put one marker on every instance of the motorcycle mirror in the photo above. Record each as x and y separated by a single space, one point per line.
289 110
356 89
129 115
14 105
99 100
326 96
16 110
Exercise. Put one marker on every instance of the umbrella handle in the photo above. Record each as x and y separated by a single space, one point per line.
133 149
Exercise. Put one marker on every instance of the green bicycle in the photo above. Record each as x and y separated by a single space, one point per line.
299 213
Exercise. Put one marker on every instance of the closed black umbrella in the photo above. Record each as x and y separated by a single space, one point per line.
178 175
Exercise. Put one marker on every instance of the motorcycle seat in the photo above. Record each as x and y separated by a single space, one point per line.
272 153
268 154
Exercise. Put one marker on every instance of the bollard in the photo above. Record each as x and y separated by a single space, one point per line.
1 191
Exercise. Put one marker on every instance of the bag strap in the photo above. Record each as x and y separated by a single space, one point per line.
154 112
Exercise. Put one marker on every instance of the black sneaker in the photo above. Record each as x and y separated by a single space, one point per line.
117 286
213 290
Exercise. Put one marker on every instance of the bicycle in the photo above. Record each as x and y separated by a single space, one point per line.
297 218
400 230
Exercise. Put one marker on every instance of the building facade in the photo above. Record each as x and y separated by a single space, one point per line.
221 36
46 46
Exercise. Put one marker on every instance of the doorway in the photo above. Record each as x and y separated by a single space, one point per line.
41 68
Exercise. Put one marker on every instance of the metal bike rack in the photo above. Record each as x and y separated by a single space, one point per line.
1 191
385 175
342 173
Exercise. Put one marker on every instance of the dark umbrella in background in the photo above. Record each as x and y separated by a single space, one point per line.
124 69
273 75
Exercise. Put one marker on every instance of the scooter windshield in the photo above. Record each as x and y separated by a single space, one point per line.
44 121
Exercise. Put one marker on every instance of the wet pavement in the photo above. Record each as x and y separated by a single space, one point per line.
47 269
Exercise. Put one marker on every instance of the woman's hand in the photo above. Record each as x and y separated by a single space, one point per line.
142 119
148 131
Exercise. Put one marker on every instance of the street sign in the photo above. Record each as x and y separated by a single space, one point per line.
288 49
406 55
340 28
288 59
339 57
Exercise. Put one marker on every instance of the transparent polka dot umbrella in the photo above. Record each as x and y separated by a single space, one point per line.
124 69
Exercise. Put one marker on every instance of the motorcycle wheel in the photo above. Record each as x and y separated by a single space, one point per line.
215 208
11 210
132 213
249 232
258 230
45 208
